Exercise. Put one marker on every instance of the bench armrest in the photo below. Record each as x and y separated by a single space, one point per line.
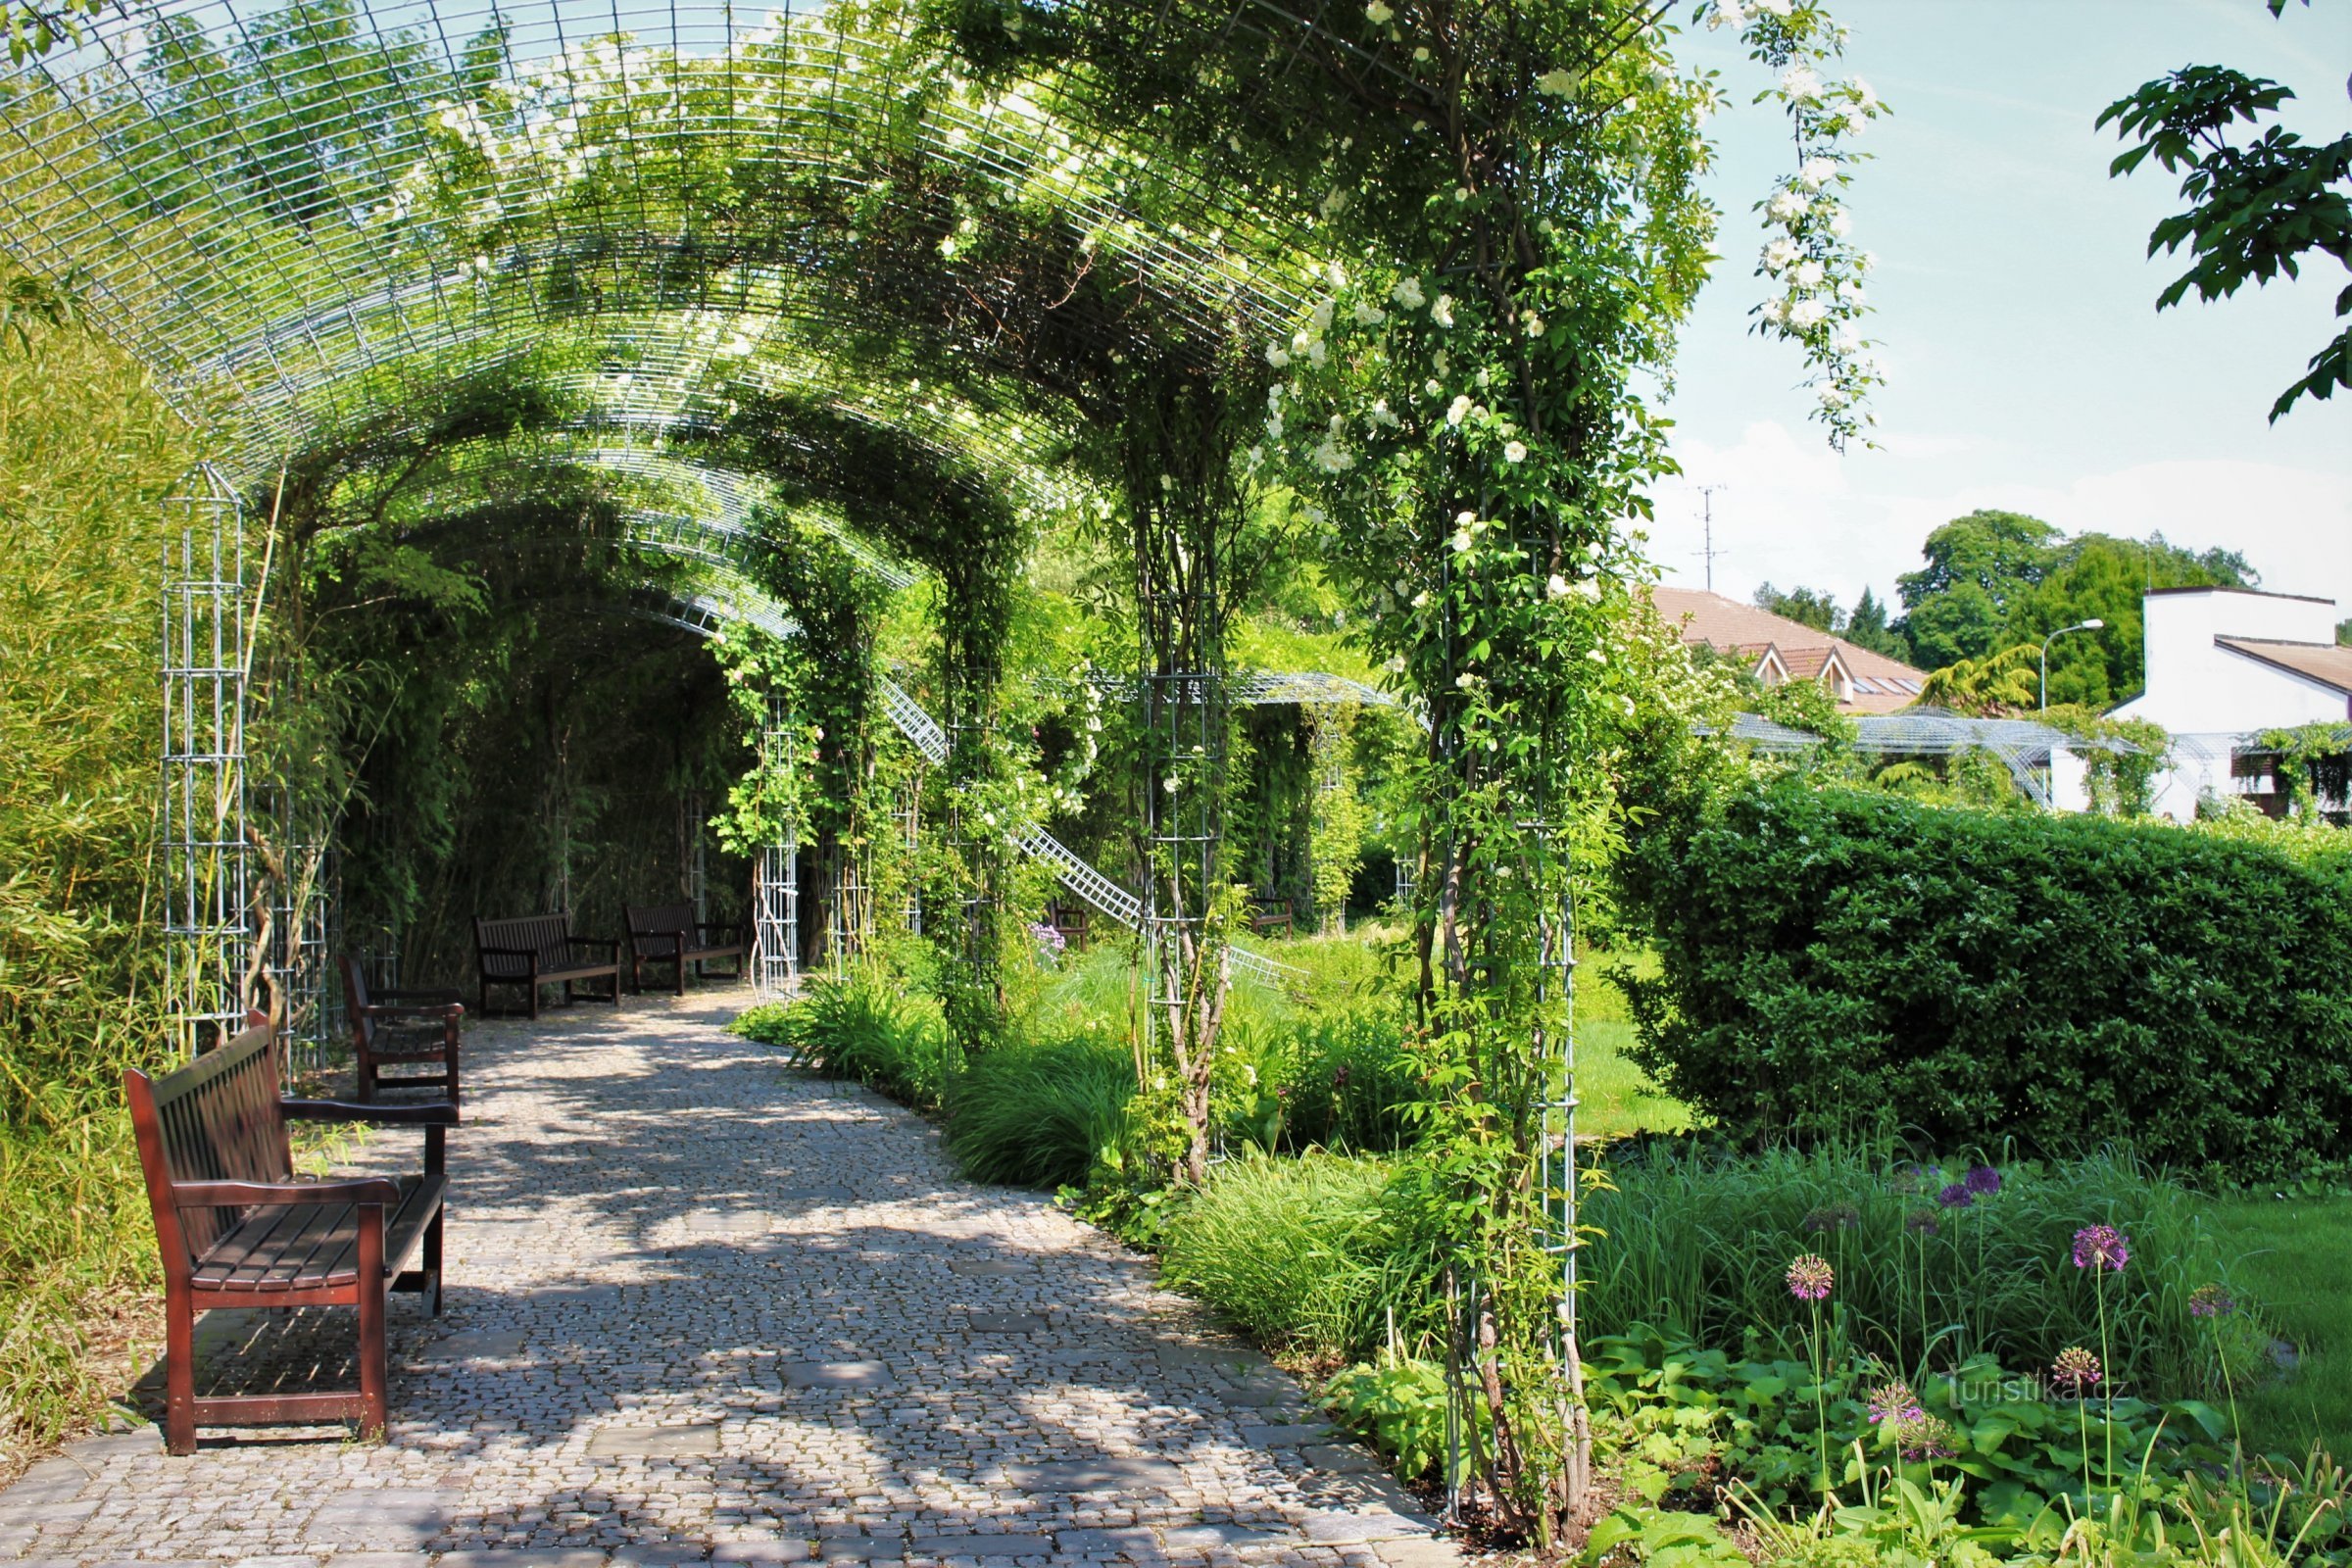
416 996
431 1113
376 1190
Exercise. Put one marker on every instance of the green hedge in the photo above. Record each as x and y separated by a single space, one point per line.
1830 959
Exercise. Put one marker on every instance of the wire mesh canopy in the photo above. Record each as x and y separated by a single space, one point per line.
296 214
2023 745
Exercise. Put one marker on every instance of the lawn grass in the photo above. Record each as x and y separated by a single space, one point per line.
2294 1257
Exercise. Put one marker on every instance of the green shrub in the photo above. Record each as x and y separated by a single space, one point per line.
864 1027
1832 958
1698 1243
1038 1115
1319 1254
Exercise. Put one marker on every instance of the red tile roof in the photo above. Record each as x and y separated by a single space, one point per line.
2328 664
1881 685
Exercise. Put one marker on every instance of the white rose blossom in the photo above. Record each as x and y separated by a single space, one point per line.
1442 312
1515 452
1458 409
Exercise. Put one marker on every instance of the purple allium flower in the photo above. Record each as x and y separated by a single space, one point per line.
1049 941
2075 1370
1916 1178
2210 1301
1894 1402
1982 1180
2102 1246
1922 1220
1956 1196
1810 1278
1837 1217
1921 1436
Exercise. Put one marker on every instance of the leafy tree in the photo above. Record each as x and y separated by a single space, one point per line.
1867 628
2001 552
33 29
2254 208
1998 579
2343 632
1990 687
1963 621
1810 606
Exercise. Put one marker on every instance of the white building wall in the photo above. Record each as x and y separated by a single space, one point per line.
2208 696
2194 687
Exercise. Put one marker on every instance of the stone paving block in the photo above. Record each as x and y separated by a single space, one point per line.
1418 1551
380 1560
860 1548
59 1479
524 1558
1335 1525
654 1443
1192 1538
1112 1473
477 1344
138 1437
928 1547
838 1375
656 1557
385 1516
988 1267
1005 1323
1103 1543
1286 1434
1345 1458
762 1551
51 1513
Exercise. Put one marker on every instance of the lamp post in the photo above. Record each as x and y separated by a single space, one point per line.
2094 623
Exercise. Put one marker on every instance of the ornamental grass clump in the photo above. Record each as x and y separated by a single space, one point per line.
1317 1254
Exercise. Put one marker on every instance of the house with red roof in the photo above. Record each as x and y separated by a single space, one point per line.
1774 649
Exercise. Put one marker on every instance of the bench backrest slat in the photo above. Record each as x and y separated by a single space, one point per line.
548 935
355 999
660 920
215 1119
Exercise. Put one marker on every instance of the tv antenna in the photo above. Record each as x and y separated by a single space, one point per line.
1707 499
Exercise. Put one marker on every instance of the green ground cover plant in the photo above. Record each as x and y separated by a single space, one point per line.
1937 1265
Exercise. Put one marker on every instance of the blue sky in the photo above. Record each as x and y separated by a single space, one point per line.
2028 367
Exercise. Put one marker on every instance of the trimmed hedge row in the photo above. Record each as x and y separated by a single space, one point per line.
1832 958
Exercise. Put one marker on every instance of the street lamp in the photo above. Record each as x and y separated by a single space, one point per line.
2094 623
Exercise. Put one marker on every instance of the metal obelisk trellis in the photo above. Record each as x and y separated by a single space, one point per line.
776 878
207 918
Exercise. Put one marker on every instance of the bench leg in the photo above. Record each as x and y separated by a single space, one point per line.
375 1406
179 1374
432 1254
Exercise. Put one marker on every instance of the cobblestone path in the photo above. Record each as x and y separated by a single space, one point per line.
701 1306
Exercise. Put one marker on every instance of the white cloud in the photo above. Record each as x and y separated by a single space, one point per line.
1794 513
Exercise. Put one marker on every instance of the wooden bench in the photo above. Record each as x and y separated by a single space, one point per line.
1069 922
1267 911
668 933
538 950
237 1230
400 1028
